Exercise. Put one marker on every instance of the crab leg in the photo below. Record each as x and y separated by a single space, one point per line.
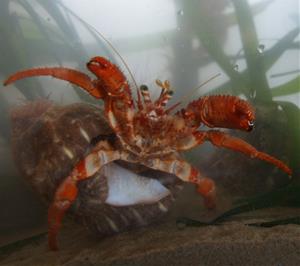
123 129
187 173
73 76
67 190
221 139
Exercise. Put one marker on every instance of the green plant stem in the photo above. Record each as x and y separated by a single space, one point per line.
256 71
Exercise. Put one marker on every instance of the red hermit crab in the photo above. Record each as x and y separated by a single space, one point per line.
148 133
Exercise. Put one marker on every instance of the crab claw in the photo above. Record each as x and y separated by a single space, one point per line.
71 75
221 111
109 75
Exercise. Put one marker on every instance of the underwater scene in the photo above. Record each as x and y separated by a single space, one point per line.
150 132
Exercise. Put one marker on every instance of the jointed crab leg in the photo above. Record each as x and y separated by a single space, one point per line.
73 76
187 173
124 130
67 190
221 139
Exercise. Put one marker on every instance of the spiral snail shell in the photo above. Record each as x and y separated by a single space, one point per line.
48 140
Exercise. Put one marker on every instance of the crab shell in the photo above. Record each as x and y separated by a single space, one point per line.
48 140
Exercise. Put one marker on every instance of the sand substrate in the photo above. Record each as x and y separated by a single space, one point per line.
230 244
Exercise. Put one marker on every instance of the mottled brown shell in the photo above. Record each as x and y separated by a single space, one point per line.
47 141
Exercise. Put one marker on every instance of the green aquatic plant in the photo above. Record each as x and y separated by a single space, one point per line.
31 37
253 84
34 33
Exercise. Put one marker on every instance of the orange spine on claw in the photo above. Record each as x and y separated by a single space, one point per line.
221 111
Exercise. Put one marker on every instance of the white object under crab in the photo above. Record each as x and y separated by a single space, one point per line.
127 188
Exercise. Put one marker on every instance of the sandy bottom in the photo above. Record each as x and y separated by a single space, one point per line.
230 244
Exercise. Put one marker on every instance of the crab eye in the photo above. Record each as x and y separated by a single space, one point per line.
250 125
144 88
170 92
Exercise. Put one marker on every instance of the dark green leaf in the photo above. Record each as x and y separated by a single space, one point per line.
288 88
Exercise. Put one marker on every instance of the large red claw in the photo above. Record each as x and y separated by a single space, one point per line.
110 76
73 76
221 111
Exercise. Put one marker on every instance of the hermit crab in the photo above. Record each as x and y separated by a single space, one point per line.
147 132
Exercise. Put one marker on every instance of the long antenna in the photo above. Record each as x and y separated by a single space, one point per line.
107 42
201 85
191 93
118 54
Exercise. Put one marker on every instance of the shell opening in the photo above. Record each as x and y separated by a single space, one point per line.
127 188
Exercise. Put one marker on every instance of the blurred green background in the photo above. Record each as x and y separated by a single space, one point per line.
254 44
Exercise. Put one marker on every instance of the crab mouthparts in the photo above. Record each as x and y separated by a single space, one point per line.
128 188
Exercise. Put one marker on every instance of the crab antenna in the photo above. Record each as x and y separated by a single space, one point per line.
170 109
201 85
108 43
139 100
118 54
192 92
